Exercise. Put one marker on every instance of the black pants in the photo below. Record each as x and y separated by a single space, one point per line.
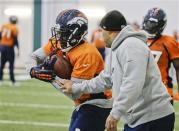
7 55
163 124
89 118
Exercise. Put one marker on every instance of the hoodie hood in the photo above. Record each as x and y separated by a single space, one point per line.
128 31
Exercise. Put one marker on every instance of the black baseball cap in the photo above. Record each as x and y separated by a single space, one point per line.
113 21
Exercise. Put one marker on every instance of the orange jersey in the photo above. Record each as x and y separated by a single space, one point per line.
8 32
87 63
97 39
165 49
85 59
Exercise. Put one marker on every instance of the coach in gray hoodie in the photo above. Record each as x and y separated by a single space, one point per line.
140 98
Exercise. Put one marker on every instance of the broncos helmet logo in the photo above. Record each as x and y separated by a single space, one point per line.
70 29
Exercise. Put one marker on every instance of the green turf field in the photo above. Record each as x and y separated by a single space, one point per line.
37 106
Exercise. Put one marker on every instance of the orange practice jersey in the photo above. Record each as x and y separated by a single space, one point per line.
165 49
87 63
97 39
8 32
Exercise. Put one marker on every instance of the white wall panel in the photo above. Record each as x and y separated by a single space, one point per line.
134 10
50 10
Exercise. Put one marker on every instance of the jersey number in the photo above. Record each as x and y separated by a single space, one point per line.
157 55
6 33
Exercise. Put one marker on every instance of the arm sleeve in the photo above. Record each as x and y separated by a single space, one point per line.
172 48
35 58
134 64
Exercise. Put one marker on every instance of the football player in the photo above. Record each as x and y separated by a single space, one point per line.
91 110
164 48
8 40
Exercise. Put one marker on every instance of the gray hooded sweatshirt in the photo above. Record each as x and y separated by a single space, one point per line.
139 96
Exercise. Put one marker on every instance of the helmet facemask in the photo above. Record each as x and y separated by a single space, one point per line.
54 39
154 22
153 28
70 29
69 36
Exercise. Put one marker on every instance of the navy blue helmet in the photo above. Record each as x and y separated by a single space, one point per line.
70 29
13 19
154 22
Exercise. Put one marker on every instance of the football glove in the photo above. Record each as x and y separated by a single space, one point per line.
44 71
42 74
49 62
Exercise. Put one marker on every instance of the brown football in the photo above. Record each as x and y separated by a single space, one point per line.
62 67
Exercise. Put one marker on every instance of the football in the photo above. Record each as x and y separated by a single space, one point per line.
62 67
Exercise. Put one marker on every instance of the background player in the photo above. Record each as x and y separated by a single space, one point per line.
8 40
164 48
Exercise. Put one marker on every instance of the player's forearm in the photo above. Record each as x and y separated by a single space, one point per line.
39 55
35 58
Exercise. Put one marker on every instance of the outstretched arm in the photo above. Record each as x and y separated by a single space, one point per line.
98 84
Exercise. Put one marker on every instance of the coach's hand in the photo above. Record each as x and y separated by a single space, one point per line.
111 124
66 85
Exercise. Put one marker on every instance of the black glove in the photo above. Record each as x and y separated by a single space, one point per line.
45 70
49 62
42 74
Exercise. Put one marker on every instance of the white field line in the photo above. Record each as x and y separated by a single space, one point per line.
11 104
35 105
34 93
33 123
21 77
